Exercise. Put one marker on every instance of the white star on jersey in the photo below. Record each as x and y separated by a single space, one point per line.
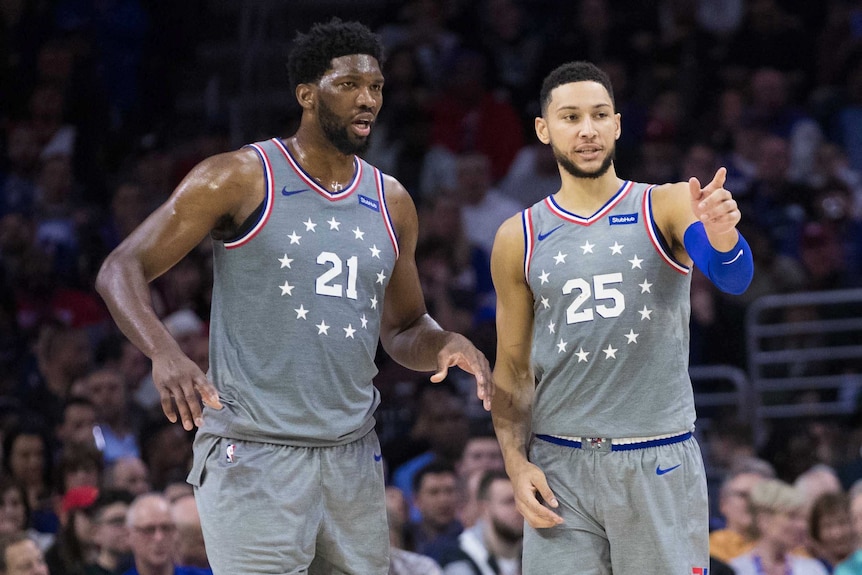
561 347
616 249
294 239
636 262
582 355
301 312
322 328
285 261
588 247
560 258
333 223
381 277
631 336
287 289
545 303
349 331
610 352
544 277
375 253
309 225
551 326
364 321
645 287
374 302
358 234
645 313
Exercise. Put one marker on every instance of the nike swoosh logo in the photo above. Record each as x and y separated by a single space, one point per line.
378 457
736 257
286 192
546 234
660 471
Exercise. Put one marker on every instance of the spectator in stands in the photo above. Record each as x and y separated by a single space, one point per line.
435 495
26 459
853 564
80 464
402 560
494 544
532 176
470 117
738 535
117 424
830 529
128 473
15 513
442 423
77 423
74 547
778 511
152 536
191 550
19 555
110 535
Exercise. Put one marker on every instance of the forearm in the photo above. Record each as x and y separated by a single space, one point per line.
511 411
416 347
125 291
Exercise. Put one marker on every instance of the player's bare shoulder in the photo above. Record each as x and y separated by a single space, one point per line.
400 205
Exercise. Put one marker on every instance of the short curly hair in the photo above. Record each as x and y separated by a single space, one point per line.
579 71
312 52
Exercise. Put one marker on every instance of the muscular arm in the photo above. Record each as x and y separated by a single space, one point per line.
215 189
513 376
408 334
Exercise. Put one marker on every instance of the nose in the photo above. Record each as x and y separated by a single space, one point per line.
365 98
587 127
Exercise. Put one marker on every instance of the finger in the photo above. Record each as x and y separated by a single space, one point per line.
694 188
192 401
441 374
208 394
539 515
717 180
182 406
167 405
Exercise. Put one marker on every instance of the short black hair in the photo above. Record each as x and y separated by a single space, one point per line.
313 51
435 467
578 71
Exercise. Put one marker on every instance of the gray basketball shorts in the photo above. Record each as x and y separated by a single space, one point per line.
281 510
624 512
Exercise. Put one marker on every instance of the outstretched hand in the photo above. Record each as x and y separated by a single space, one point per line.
461 353
181 383
714 206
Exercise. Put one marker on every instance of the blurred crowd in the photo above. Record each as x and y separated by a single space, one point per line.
770 89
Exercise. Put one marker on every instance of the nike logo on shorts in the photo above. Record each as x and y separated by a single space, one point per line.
378 457
660 471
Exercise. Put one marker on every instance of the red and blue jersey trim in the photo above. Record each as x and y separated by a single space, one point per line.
655 237
576 219
268 201
314 184
527 220
387 219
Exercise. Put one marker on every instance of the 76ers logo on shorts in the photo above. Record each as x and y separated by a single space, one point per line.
699 571
228 453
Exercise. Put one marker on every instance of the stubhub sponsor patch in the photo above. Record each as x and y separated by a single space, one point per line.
623 219
369 203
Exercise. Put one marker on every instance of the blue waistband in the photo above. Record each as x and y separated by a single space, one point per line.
621 447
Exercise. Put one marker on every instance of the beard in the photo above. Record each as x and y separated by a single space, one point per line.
338 132
569 165
506 532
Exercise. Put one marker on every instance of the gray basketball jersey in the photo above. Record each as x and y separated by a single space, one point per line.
611 334
296 309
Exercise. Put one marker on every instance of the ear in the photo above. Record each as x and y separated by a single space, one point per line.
618 117
542 130
306 95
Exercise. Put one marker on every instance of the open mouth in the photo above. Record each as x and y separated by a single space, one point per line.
361 127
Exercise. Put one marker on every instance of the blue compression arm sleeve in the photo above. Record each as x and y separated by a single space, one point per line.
731 272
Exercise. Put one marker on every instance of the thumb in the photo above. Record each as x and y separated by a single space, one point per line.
546 494
441 374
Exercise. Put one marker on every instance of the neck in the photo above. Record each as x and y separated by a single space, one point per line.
320 158
585 196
